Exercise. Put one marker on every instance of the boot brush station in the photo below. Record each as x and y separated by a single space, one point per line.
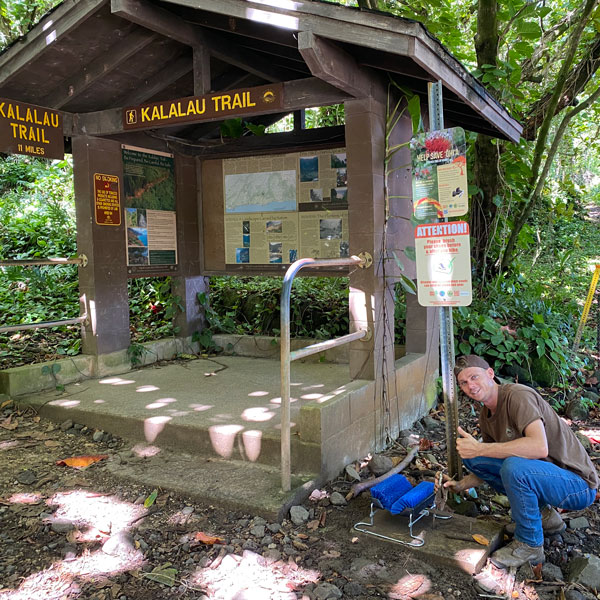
143 94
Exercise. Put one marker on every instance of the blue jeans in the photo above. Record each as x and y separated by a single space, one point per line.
530 485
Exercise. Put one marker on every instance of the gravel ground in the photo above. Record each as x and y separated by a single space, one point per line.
68 533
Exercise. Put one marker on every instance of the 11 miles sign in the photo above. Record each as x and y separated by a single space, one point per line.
443 264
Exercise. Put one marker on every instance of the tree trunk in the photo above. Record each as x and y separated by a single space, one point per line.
486 168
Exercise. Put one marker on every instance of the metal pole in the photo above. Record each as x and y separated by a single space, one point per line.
436 121
286 462
42 325
35 262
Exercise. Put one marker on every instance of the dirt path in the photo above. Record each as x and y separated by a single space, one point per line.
68 534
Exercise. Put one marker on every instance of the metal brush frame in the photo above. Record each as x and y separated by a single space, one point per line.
424 508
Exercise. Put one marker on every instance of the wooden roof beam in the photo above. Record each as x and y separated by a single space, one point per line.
297 94
170 25
331 64
159 81
98 68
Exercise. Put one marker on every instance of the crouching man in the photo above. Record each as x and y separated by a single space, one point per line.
528 453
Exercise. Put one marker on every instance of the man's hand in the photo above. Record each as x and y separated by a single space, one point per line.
467 445
455 486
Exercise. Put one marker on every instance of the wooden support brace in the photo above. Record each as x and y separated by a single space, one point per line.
331 64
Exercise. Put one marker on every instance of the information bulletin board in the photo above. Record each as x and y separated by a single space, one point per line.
283 207
149 206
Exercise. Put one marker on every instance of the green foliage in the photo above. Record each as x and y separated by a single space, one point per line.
250 305
152 308
236 128
18 16
519 325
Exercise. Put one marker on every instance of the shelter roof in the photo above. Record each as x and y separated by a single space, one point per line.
91 58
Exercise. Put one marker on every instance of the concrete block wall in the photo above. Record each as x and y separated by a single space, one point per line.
347 426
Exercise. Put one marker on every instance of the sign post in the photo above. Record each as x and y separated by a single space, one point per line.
436 121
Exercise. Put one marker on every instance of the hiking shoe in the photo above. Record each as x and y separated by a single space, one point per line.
516 554
552 523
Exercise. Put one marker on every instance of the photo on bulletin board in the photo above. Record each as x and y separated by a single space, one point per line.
330 229
339 194
309 168
274 226
338 161
316 195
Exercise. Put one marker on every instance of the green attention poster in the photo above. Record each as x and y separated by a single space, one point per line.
149 201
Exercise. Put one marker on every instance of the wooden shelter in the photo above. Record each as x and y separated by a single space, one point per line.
102 63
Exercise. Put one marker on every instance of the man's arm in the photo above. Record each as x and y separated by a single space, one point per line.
533 445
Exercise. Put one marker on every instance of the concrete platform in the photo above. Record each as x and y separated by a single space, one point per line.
447 541
209 428
228 409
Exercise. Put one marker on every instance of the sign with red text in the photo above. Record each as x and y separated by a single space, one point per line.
443 264
439 174
107 199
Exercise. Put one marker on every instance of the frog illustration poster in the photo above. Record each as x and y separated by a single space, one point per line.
439 179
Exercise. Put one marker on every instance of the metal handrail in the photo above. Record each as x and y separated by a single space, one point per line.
34 262
43 324
364 260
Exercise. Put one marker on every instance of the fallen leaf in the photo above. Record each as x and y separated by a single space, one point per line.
7 424
210 540
425 444
149 501
312 525
5 403
164 574
51 444
322 519
481 539
354 540
352 473
81 462
332 554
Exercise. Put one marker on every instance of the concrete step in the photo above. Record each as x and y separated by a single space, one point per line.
225 408
228 484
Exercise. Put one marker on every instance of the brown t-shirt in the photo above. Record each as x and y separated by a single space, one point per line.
518 407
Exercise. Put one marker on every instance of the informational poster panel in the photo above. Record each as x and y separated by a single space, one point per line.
443 264
284 207
439 169
150 218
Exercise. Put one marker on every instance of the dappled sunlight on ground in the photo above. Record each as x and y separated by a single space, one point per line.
60 579
160 403
145 451
103 512
95 517
65 403
116 381
223 437
258 394
147 388
410 586
252 444
153 426
257 413
253 576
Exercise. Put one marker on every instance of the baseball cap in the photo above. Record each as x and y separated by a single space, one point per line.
469 360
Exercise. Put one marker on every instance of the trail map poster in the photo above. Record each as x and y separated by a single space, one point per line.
149 201
284 207
439 169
